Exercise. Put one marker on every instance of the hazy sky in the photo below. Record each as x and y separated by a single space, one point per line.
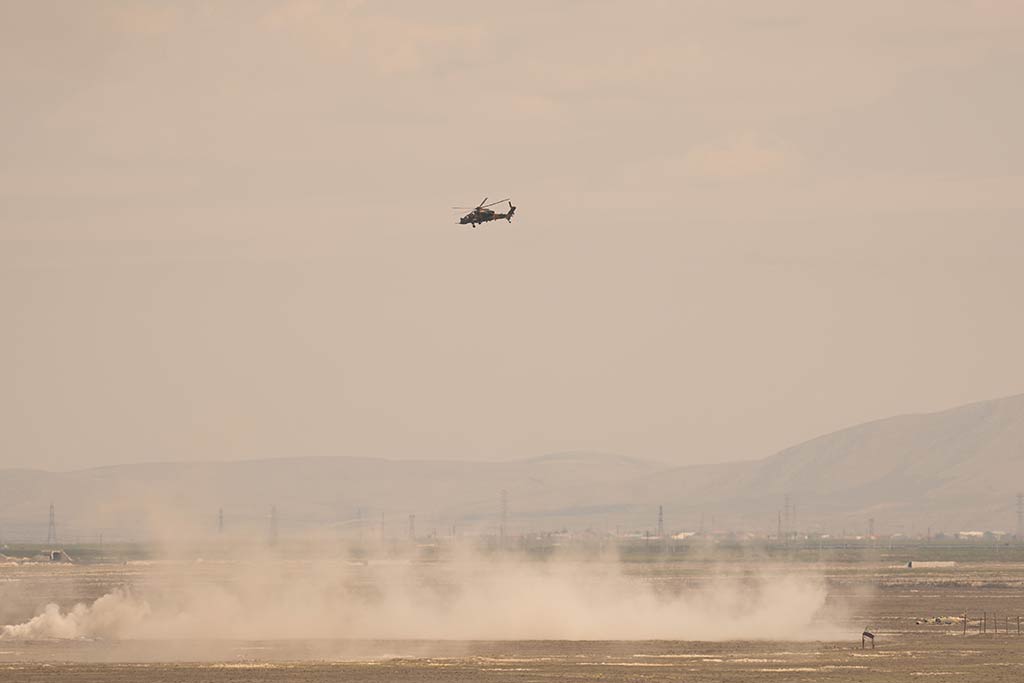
225 228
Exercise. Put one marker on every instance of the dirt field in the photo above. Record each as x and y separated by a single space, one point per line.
904 657
898 604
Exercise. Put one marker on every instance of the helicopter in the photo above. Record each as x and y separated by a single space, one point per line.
481 213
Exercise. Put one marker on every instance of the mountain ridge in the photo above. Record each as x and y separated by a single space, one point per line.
947 470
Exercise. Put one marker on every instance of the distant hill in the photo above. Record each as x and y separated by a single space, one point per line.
333 494
948 471
952 470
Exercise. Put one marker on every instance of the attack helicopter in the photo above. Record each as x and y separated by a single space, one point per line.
481 213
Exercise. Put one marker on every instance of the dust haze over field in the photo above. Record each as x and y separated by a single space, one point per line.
231 620
463 599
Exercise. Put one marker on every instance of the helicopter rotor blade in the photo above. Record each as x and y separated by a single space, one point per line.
481 203
484 206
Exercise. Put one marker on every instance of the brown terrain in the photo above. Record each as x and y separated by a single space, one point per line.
913 612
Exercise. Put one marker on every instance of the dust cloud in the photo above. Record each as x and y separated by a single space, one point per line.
464 599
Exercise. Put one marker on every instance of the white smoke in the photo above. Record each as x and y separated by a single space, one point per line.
458 601
111 616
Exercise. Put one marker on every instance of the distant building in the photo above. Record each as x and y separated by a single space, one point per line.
970 534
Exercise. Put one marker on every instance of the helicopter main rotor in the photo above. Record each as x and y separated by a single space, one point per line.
481 205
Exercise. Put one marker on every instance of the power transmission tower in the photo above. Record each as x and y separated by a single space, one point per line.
51 532
1020 516
788 517
220 521
504 518
661 522
272 531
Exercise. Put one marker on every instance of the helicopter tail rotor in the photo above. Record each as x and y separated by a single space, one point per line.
511 211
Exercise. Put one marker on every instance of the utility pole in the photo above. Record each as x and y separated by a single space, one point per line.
220 521
51 532
779 533
661 522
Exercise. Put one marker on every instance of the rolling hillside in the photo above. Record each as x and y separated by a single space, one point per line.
948 471
952 470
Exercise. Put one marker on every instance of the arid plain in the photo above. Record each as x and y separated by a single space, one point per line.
821 601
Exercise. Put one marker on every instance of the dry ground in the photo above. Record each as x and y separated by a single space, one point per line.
900 605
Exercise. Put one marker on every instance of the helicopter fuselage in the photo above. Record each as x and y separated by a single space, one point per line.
484 215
